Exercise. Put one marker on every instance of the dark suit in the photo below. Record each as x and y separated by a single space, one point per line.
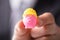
52 6
41 6
4 20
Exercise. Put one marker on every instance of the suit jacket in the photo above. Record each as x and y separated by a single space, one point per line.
52 6
4 20
41 6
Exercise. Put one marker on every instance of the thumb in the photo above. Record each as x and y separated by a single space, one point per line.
20 33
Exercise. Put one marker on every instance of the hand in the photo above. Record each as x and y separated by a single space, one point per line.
46 29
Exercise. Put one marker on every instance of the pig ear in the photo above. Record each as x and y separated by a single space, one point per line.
29 18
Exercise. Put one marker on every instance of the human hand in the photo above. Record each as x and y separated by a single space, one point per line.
46 29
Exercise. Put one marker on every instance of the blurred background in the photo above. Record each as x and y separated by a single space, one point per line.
11 12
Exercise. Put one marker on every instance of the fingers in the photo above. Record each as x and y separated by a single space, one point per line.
44 25
47 18
20 33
